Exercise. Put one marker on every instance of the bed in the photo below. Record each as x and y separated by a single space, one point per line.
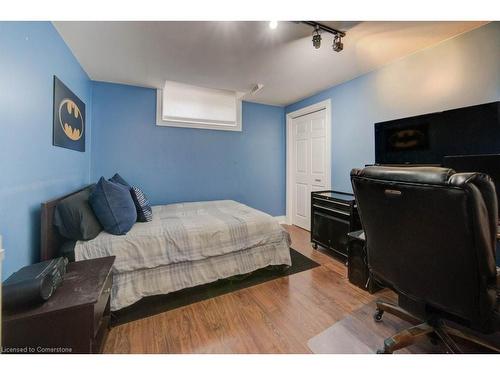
186 244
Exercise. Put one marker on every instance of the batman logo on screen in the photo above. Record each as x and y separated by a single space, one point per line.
407 139
70 119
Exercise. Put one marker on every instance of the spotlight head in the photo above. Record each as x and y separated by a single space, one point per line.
316 38
337 43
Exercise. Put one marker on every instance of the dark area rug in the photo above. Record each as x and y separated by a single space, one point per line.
153 305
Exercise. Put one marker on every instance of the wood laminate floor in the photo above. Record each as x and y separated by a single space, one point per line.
278 316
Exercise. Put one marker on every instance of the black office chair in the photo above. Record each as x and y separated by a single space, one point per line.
430 235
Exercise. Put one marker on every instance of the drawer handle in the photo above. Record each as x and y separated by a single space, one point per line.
333 210
317 179
331 201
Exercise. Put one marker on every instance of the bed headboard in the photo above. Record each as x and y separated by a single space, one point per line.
51 240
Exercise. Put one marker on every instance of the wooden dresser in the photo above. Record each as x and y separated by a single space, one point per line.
74 320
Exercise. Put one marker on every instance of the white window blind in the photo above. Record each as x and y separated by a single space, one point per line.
183 105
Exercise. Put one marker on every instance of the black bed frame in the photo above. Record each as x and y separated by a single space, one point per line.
51 240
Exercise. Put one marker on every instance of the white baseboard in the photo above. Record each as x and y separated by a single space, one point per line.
281 219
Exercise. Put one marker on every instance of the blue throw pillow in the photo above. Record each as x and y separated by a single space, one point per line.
144 211
114 207
117 179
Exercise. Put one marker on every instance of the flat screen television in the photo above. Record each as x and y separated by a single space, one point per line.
488 164
427 139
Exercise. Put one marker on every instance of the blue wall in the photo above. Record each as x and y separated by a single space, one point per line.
32 170
177 164
180 164
459 72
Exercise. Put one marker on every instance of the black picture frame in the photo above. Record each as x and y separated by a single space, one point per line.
68 128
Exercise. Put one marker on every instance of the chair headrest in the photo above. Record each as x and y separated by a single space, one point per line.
423 175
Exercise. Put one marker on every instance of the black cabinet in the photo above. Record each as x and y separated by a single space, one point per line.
333 215
358 272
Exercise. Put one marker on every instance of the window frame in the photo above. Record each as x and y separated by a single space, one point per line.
195 124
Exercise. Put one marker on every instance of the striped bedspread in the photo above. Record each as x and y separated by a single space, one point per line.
187 232
188 244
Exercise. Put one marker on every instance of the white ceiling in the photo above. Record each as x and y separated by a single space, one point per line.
237 55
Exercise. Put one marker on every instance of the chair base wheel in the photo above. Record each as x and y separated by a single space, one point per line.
382 351
378 316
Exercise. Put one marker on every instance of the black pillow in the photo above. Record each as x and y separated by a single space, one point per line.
75 219
68 250
144 211
117 179
113 206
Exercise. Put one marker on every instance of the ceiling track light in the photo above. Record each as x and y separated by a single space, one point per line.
337 45
316 38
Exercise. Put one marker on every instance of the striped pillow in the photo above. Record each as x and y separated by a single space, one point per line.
144 211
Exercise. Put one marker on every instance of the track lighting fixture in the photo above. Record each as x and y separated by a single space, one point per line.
337 43
316 38
318 28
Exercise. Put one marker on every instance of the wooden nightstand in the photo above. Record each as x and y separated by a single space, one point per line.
74 320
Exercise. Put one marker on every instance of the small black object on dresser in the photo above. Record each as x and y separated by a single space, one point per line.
74 320
357 263
333 215
33 284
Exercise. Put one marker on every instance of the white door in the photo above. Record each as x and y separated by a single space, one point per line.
309 164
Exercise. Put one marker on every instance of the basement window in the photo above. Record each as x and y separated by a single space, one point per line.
187 106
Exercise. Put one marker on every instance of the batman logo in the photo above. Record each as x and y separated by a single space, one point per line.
71 119
407 139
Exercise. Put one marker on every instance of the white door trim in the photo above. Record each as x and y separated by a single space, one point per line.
327 106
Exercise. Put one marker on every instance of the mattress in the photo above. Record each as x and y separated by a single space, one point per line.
188 244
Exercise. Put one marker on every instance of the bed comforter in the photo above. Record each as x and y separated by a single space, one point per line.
188 244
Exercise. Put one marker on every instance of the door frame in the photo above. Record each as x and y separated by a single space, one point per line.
290 175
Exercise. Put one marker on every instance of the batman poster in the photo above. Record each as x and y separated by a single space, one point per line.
69 118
